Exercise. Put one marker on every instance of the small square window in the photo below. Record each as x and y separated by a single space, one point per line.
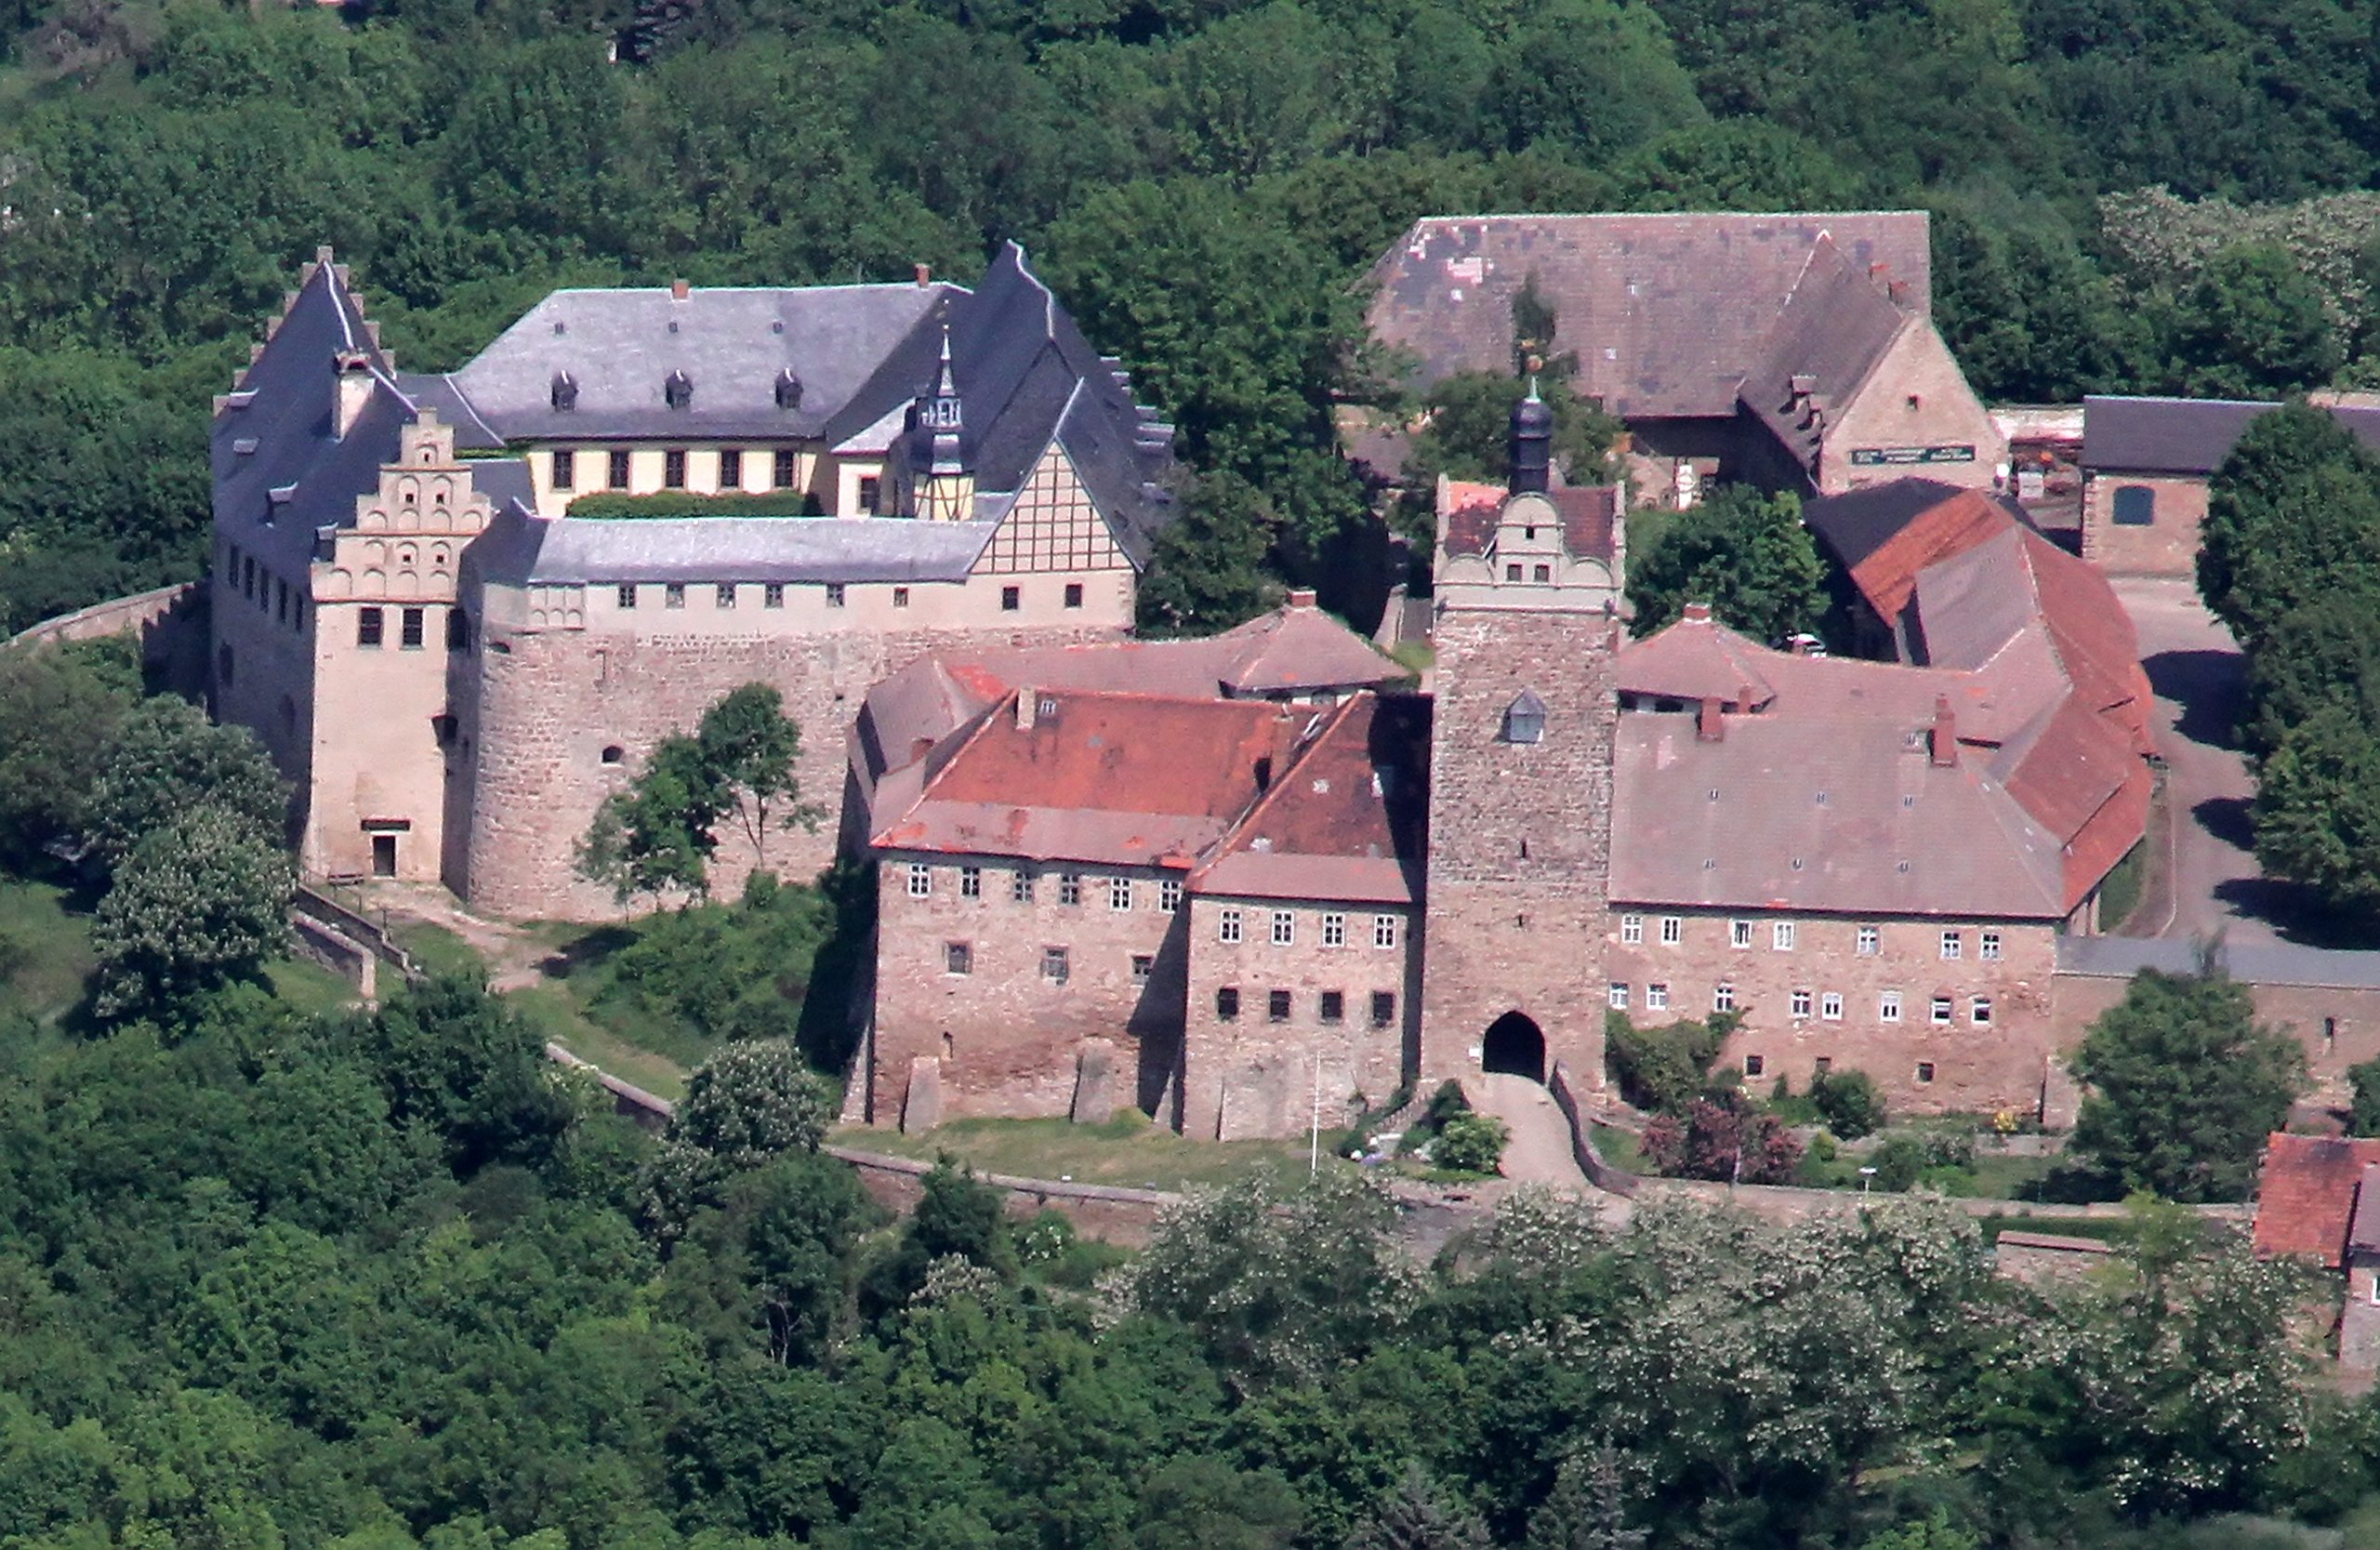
367 626
565 474
1285 928
1722 998
772 595
1227 925
1144 965
280 603
625 594
1512 573
833 594
1781 935
1889 1007
1169 894
673 468
1334 1006
1942 1010
1619 995
900 597
921 879
673 595
1074 594
1631 929
724 596
1869 939
1924 1071
1011 599
1822 1064
1540 573
1020 886
1334 931
1227 1002
871 487
1383 930
1672 931
1988 947
1070 888
1054 965
409 626
2136 506
1800 1002
1739 933
731 468
1754 1065
1276 1006
1830 1006
782 468
1119 894
1383 1008
616 468
1656 997
958 958
1952 945
971 882
1979 1010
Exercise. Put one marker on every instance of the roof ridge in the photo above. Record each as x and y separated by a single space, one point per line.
1227 842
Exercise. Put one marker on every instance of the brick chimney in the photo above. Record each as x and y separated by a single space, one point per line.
353 370
1709 726
1743 699
680 290
925 275
1029 702
1699 612
1300 597
1944 739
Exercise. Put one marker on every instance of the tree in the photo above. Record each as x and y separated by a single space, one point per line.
1664 1068
1200 1503
2254 326
1848 1102
461 1062
1745 554
1722 1138
1418 1515
198 903
2185 1085
2318 808
167 759
749 746
2363 1113
2293 518
1471 1143
751 1102
1588 1507
1208 571
58 708
1468 433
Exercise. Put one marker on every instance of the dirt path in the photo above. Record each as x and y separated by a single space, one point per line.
516 956
1540 1151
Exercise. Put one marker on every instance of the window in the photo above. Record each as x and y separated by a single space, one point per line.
613 753
1540 573
1285 928
1276 1006
248 576
409 628
566 469
1070 888
673 595
1119 894
1754 1065
1781 935
1054 965
1334 931
731 468
1383 930
616 471
1631 929
921 879
2136 506
1512 573
1830 1006
367 628
1942 1010
1227 1002
833 594
1011 599
1739 933
626 594
1525 718
958 958
458 629
673 468
1801 1003
1169 894
1953 945
1334 1006
781 476
1144 966
280 603
1672 931
1227 925
1656 997
1020 886
1074 594
1988 947
870 488
1924 1071
726 595
1383 1008
1869 938
1822 1064
971 882
223 665
900 597
1979 1010
772 595
1620 995
1889 1007
1722 998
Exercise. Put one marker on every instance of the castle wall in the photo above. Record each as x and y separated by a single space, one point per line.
1251 1074
260 672
1915 400
2337 1026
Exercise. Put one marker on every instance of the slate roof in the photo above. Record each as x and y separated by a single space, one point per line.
1855 525
2306 1197
1348 820
1834 330
603 551
1666 314
2186 436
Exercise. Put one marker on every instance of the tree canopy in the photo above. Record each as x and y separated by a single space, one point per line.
1745 554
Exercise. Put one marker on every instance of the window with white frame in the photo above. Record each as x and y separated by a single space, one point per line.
1334 931
921 879
1942 1010
1672 930
1781 935
1620 995
1722 998
1119 893
1656 997
1801 1003
971 882
1285 928
1889 1007
1020 886
1227 924
1383 930
1070 888
1979 1010
1169 894
1871 940
1631 929
1953 945
1830 1006
1988 947
1739 933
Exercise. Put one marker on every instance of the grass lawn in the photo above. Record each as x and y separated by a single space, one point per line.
435 950
2000 1177
310 988
46 957
556 1016
1129 1149
1618 1148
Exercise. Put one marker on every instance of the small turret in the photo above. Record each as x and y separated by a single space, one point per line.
937 454
1532 442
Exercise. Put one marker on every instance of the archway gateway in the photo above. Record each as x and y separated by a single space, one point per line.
1515 1044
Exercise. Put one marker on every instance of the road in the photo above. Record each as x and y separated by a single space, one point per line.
1539 1149
2200 678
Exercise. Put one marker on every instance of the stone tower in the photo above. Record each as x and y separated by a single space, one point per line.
1527 597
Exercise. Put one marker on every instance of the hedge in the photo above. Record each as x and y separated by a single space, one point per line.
686 503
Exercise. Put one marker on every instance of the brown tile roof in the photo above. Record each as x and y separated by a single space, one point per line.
1888 575
2306 1196
1347 821
1833 331
1589 513
1665 313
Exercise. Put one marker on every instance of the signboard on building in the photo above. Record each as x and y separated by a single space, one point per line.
1877 456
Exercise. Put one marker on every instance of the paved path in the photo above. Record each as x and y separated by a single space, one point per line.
1540 1150
2200 678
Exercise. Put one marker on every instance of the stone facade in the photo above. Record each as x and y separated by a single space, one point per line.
1916 403
2338 1026
2157 532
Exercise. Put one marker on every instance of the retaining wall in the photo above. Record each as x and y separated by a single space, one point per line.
171 622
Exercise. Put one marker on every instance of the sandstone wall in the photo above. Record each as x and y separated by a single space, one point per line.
2337 1026
2167 546
1917 397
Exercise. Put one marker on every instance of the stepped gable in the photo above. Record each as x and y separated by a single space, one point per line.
1666 313
2306 1197
1350 818
1833 332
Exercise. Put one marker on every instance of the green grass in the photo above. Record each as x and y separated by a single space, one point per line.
436 950
312 990
555 1015
48 957
2120 893
1618 1148
1129 1150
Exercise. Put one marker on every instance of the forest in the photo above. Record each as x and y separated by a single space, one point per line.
2126 194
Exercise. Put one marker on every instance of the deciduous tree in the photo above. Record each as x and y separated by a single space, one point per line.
196 904
1745 554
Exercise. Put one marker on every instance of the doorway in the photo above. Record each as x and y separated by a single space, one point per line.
1515 1044
384 855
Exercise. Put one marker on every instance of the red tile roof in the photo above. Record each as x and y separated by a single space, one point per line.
1347 821
2306 1196
1887 578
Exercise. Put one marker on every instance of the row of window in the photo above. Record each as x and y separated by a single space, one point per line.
1756 1065
1330 1006
726 594
1231 926
372 629
1827 1004
784 471
265 589
1057 963
1025 885
1784 934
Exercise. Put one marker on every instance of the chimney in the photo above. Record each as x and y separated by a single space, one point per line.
1028 701
1743 700
925 275
1699 612
353 371
1709 725
1300 597
1879 272
1898 291
680 290
1944 739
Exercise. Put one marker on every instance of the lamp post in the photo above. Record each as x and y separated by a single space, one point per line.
1864 1175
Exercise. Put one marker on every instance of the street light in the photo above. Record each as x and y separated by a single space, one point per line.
1864 1175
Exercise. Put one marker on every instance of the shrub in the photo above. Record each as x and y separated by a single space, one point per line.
1847 1103
1716 1141
1664 1069
1471 1144
1897 1162
686 503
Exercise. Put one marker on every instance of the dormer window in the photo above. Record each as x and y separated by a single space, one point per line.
565 391
1525 718
788 389
678 390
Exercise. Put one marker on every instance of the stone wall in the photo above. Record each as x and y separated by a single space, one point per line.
170 621
2167 546
1915 398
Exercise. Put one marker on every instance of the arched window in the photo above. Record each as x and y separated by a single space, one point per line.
1525 718
2136 506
